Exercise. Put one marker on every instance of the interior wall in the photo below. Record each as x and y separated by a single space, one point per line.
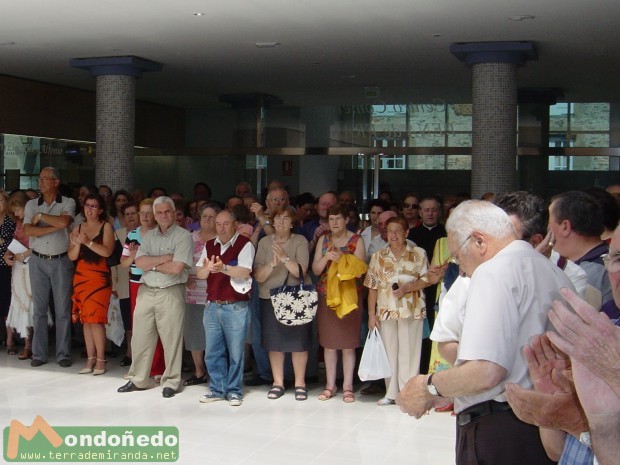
46 110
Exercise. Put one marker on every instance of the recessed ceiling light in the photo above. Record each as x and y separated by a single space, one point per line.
6 44
199 14
266 44
436 35
521 18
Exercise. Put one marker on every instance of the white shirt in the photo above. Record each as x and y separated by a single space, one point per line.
507 303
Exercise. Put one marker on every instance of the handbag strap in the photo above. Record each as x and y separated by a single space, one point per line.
301 276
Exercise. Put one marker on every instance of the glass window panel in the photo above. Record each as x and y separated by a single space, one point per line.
426 162
558 117
459 140
589 163
460 117
458 162
558 163
589 140
590 117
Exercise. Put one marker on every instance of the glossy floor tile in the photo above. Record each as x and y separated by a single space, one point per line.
261 431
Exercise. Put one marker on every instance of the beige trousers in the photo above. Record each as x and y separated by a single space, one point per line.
403 343
158 312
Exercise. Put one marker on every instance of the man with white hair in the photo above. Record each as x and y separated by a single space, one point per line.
512 288
165 255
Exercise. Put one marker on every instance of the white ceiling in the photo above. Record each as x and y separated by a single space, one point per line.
329 49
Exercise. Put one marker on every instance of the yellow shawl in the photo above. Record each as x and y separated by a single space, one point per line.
341 285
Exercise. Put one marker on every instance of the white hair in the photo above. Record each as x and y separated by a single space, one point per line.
163 199
479 215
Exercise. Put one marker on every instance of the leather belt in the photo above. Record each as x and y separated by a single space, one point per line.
48 257
224 302
480 410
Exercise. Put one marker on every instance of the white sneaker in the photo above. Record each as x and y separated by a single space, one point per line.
234 400
209 397
385 401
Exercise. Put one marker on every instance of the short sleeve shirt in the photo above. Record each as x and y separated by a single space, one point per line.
56 242
509 297
175 241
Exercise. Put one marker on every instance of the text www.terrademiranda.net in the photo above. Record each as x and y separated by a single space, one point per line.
109 456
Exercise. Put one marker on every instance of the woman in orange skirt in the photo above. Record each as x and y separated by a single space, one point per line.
91 243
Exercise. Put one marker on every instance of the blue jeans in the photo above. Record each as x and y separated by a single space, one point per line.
225 329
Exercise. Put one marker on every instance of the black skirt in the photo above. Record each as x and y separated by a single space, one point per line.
276 337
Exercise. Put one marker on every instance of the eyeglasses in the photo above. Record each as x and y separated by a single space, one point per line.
411 206
455 258
91 206
612 262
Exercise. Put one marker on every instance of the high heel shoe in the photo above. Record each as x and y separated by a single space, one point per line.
86 370
97 372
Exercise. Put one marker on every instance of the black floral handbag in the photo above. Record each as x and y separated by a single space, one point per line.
295 305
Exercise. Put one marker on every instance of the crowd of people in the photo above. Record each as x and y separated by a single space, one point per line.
520 299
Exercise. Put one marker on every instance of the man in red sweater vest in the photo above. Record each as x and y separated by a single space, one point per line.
226 264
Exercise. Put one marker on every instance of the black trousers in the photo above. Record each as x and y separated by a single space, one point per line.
499 439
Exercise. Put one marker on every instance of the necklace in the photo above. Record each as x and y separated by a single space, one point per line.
281 242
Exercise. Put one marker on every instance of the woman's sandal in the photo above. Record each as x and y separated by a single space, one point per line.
275 392
301 393
348 397
87 369
100 371
11 350
328 394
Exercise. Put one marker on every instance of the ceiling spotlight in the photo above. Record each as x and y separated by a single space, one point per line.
521 18
436 35
199 14
266 44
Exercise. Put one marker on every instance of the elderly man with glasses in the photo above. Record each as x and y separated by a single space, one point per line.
511 290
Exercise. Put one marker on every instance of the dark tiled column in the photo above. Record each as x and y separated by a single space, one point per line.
116 97
494 95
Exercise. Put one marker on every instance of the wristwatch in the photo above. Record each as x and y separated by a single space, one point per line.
431 387
584 438
267 223
154 268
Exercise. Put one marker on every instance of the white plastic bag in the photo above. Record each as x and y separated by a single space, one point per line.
374 363
114 329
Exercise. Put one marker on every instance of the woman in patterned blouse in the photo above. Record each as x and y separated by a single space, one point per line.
395 279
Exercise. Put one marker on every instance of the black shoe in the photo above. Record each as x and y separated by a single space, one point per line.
65 363
193 380
37 363
257 381
373 389
129 387
168 392
126 361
